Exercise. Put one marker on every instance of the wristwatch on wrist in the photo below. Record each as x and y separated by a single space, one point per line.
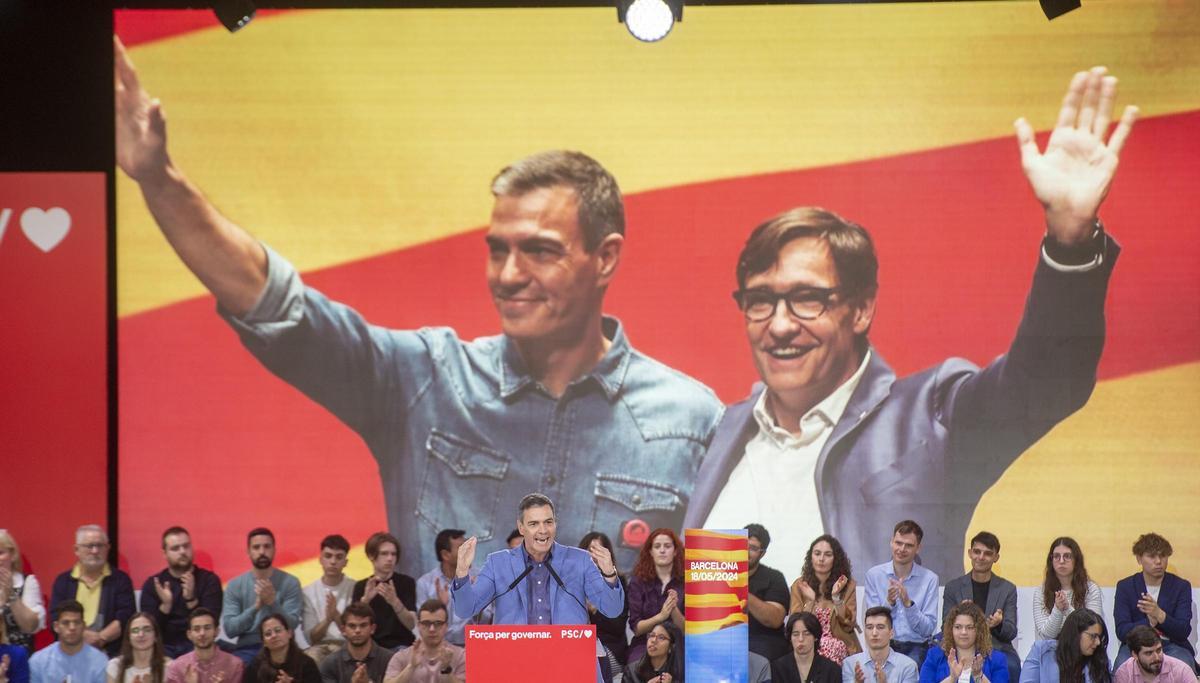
447 670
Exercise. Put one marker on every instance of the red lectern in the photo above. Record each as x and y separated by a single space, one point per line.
527 654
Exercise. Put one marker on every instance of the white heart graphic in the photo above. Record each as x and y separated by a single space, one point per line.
45 228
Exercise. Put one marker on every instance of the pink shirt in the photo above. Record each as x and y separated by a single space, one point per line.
428 670
222 668
1173 671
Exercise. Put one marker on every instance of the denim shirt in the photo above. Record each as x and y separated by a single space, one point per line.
461 431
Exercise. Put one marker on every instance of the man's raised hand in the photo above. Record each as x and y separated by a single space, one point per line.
141 126
466 557
602 557
1072 176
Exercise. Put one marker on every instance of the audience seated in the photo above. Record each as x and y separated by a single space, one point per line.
1156 598
205 663
326 598
432 659
767 598
1078 655
992 594
909 590
655 589
22 613
610 631
252 597
393 596
1066 588
966 654
14 660
142 658
71 658
105 592
804 664
1149 664
361 660
174 592
826 589
662 661
280 660
879 663
435 584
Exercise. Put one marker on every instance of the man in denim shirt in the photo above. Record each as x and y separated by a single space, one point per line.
560 402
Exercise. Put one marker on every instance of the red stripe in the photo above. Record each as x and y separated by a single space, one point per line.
136 27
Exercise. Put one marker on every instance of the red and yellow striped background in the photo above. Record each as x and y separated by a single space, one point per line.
360 145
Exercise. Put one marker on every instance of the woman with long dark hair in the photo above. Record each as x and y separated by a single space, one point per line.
663 660
1078 655
142 658
1065 588
826 589
966 654
804 664
655 589
280 660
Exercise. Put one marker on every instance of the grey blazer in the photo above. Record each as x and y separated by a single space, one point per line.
927 446
1002 595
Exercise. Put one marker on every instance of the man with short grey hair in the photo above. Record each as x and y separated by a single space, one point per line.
105 592
559 401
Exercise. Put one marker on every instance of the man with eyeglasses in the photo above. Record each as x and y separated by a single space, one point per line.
833 442
173 593
206 663
361 659
105 592
431 659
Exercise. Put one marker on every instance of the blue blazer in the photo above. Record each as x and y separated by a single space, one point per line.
929 445
937 667
1174 597
573 565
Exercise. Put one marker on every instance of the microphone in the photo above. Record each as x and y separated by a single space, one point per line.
511 586
554 575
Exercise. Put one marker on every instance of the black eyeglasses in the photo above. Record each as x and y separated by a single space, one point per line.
805 303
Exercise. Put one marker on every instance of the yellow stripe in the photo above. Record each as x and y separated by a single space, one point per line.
713 600
1104 476
338 135
698 554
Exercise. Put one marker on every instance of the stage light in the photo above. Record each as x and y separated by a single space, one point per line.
234 14
649 20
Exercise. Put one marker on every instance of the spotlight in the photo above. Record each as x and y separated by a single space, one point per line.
649 20
234 14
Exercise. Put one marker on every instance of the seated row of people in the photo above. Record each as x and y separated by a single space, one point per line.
143 659
654 589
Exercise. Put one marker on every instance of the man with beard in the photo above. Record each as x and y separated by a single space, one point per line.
173 593
391 595
105 592
70 659
1149 664
255 595
767 597
206 663
362 660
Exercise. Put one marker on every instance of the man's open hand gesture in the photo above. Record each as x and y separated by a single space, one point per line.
1072 176
141 126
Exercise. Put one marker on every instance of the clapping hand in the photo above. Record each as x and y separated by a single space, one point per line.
860 676
360 674
165 598
1060 601
669 604
839 585
996 618
1148 606
188 583
331 610
264 591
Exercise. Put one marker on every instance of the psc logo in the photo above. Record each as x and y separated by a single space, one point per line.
46 229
